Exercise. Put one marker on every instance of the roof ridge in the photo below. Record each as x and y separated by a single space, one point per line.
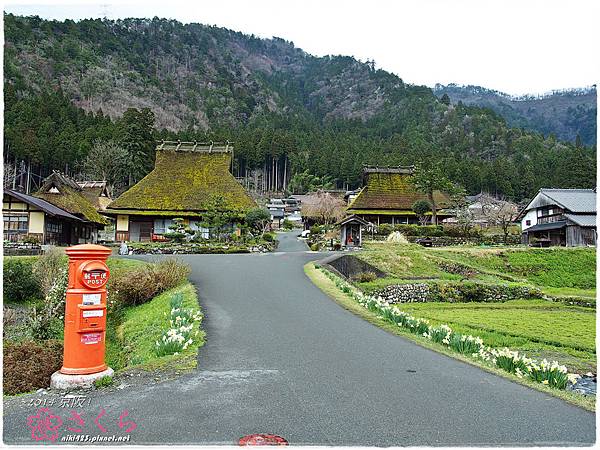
568 189
194 146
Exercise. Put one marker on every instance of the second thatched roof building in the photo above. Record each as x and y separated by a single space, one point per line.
187 179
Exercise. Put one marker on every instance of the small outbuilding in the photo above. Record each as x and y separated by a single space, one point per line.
351 231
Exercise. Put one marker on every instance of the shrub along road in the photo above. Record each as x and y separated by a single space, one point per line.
283 358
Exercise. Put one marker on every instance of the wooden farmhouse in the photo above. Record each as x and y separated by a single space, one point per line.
186 180
58 214
564 217
388 195
64 193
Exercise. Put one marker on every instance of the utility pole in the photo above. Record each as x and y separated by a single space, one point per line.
28 183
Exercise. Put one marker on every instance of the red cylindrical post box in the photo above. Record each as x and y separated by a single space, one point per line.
85 310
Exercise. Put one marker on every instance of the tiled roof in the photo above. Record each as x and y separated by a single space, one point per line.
45 206
583 220
574 200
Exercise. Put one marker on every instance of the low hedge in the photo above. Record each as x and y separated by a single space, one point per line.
455 292
169 248
141 284
28 365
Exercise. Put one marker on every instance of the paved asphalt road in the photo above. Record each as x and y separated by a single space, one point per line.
283 358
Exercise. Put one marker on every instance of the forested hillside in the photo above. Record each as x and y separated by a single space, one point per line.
69 85
566 114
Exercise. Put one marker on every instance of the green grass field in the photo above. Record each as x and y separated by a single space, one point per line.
546 267
539 328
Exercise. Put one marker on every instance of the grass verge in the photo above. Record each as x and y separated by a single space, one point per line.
348 303
132 336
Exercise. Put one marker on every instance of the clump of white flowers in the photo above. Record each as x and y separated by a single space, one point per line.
181 333
551 374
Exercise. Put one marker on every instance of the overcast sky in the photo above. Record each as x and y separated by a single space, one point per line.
515 46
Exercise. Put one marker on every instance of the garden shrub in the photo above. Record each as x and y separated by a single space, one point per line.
169 273
20 284
364 277
28 365
269 237
316 229
314 247
384 229
420 230
141 284
49 267
46 321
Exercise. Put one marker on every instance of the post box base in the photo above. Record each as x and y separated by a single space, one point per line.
65 382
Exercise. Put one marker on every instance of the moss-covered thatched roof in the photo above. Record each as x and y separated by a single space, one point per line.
184 181
96 192
392 191
65 193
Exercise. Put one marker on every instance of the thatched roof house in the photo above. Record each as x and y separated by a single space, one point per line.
96 192
388 196
186 180
64 192
79 221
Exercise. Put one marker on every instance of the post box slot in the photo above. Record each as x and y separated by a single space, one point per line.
91 318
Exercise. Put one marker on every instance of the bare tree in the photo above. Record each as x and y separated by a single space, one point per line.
465 218
499 212
324 207
10 173
106 161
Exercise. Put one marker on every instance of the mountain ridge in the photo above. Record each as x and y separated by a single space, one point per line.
566 113
287 111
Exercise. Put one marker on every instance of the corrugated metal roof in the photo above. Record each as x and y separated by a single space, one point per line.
45 206
583 220
574 200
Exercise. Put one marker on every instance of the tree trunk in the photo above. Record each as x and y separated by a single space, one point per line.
433 208
284 172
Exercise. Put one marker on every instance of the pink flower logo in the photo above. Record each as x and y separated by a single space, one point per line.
44 425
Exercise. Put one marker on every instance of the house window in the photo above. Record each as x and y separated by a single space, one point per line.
53 227
53 231
161 226
16 223
527 222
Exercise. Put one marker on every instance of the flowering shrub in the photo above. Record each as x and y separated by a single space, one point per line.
180 334
550 374
45 322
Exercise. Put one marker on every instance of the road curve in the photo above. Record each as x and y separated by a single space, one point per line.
283 358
